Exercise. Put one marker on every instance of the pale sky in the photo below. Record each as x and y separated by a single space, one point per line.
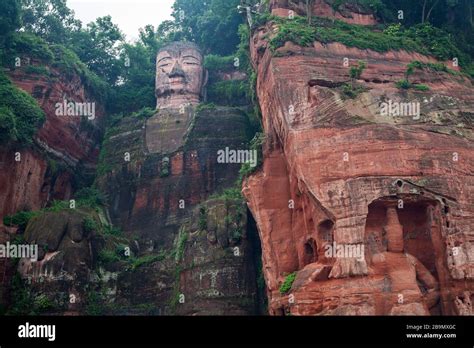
129 15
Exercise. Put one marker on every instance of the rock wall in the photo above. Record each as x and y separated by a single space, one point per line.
161 196
63 156
173 238
349 13
393 194
31 180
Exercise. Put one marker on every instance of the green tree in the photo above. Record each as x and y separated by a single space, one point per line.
9 17
428 7
98 46
136 89
213 25
50 19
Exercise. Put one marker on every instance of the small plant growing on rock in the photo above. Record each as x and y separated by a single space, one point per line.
403 84
422 88
146 260
288 283
144 113
89 225
202 218
182 239
350 91
356 71
20 219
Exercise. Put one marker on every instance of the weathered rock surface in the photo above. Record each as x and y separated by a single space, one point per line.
45 171
178 250
349 13
334 169
157 188
64 147
160 198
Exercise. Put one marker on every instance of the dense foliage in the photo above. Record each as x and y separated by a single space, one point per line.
20 115
423 38
213 24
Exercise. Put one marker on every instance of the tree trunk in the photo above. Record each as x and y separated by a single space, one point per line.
431 10
309 11
423 14
470 13
450 15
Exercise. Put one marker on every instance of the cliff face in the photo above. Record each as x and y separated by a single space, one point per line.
180 241
362 205
178 251
65 151
39 174
392 193
349 13
161 199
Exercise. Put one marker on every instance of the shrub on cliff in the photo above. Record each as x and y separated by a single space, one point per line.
423 38
405 84
288 283
255 144
68 62
356 71
25 302
7 124
215 62
19 219
144 113
230 92
20 114
27 45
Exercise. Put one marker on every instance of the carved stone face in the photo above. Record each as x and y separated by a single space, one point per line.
180 75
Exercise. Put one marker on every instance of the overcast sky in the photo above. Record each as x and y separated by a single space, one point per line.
129 15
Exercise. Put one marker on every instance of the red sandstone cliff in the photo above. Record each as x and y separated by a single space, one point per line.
69 141
33 176
337 171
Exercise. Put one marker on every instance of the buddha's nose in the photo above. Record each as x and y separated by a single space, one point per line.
177 71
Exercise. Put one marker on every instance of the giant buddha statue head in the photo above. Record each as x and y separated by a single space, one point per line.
180 75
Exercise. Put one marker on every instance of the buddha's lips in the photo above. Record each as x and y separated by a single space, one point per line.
177 81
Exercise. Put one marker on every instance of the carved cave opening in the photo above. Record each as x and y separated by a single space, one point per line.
310 251
314 245
325 231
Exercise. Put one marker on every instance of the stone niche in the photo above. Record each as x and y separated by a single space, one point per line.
417 248
403 271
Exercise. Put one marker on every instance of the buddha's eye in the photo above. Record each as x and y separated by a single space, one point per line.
190 60
164 62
